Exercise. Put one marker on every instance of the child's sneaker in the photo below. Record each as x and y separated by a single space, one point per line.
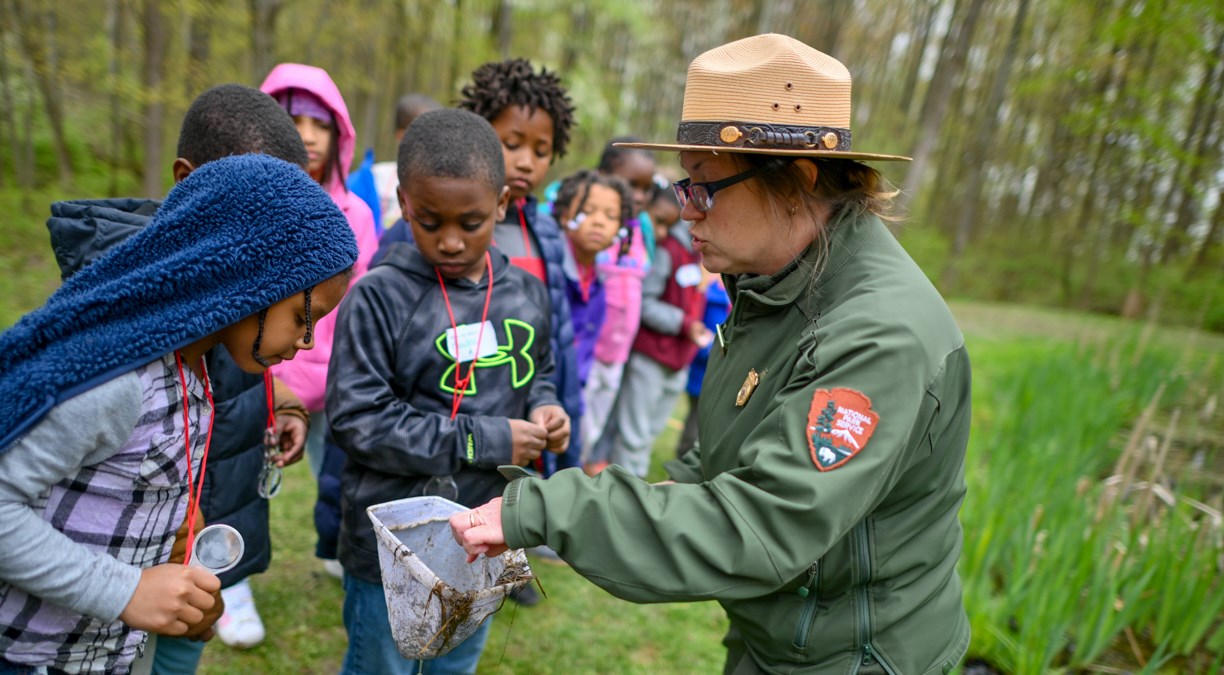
240 625
333 568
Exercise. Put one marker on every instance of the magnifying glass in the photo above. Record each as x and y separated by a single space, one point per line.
217 548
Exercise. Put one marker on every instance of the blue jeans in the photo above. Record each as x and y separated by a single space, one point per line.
371 648
177 655
10 668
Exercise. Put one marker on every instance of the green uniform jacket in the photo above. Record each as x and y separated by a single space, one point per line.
828 558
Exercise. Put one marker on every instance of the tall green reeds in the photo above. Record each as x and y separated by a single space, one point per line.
1086 542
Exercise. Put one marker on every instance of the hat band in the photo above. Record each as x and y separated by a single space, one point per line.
763 136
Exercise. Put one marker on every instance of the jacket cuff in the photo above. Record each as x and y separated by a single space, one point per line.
520 506
490 443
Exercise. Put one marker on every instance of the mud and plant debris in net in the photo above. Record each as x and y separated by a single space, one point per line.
456 606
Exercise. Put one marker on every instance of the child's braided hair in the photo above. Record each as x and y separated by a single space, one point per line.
499 85
263 314
576 188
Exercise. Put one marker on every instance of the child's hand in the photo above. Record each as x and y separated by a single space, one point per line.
203 629
480 531
292 438
527 440
557 423
170 599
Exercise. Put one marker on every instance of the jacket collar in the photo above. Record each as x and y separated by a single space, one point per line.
794 284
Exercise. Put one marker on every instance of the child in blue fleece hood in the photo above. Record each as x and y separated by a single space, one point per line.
106 411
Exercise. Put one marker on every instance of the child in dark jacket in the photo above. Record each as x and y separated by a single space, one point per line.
672 331
532 115
448 373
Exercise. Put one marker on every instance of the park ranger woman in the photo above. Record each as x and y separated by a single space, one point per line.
820 508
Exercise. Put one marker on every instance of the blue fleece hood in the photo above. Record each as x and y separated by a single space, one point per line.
237 235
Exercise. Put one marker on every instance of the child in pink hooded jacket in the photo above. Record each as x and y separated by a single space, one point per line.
322 118
318 109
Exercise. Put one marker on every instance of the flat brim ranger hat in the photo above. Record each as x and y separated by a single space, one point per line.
770 95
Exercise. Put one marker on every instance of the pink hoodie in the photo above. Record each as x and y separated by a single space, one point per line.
306 374
623 288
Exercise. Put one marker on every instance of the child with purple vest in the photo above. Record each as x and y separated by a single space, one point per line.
671 332
593 208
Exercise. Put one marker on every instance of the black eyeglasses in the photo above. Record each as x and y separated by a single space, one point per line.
702 194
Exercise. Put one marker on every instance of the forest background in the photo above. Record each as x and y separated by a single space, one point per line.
1067 154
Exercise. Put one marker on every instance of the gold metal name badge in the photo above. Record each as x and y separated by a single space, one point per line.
746 389
730 134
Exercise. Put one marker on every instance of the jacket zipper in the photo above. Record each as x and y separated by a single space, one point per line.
808 592
864 608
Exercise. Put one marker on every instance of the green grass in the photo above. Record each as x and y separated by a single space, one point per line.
28 273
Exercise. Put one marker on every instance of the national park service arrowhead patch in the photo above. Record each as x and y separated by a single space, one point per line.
840 422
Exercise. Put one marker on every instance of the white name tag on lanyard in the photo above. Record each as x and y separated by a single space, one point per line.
469 334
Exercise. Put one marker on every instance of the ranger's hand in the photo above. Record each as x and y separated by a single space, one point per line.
480 530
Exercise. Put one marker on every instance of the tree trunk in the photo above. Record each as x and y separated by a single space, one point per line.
503 26
1206 250
114 29
829 21
199 49
155 39
951 64
7 109
1088 220
979 151
457 46
34 43
580 21
263 15
916 52
1208 102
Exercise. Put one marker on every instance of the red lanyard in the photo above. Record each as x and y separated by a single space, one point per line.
461 383
522 206
268 392
193 498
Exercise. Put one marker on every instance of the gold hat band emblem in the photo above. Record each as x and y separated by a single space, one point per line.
730 134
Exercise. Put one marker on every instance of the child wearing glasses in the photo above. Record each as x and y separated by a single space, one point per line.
673 303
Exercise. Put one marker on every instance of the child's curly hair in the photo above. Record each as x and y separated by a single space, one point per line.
499 85
576 188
